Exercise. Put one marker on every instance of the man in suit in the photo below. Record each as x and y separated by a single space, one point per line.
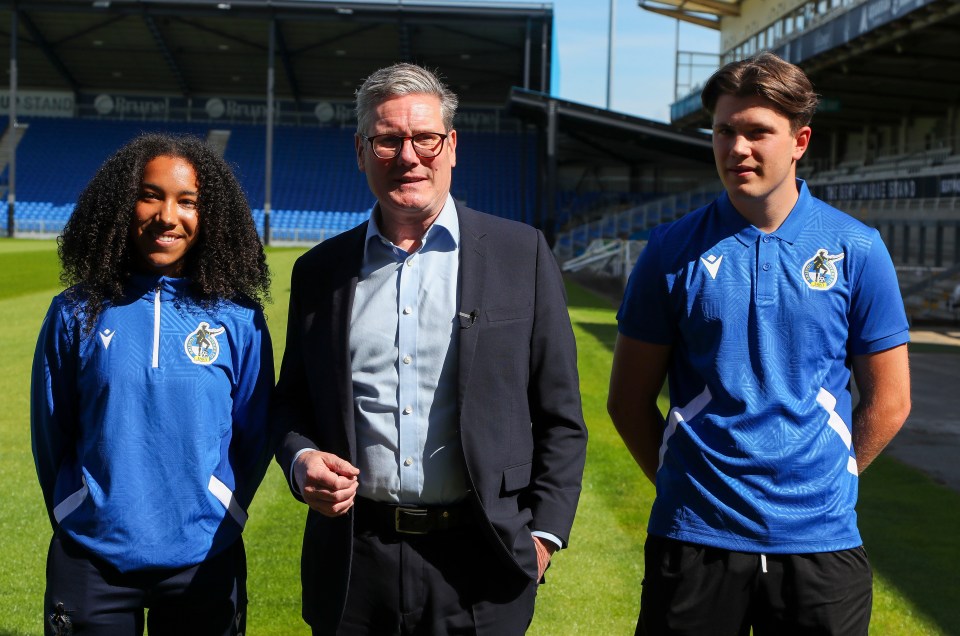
430 391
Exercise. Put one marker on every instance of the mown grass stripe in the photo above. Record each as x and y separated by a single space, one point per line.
27 267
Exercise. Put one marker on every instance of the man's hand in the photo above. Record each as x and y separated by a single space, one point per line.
327 483
545 550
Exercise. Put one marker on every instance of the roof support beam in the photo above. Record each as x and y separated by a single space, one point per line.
338 38
684 17
712 6
48 51
403 40
90 29
287 62
166 53
222 34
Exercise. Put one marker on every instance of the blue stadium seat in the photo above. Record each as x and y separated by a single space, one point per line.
316 192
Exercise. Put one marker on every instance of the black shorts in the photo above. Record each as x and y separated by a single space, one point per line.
86 595
695 589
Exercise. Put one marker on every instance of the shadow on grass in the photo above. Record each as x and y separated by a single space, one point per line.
604 333
579 297
7 632
905 519
925 347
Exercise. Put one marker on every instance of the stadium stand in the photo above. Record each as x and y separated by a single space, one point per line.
885 146
318 191
93 74
887 133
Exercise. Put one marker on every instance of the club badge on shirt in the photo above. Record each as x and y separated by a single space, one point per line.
820 271
201 345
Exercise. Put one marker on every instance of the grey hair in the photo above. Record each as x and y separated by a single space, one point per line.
402 79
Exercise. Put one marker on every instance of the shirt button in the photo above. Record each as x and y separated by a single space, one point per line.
407 410
408 461
410 262
766 239
766 266
407 359
407 311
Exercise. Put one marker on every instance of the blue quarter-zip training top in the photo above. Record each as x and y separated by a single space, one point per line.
150 433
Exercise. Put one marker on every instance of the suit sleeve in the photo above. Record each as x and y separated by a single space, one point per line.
291 408
559 432
254 436
53 402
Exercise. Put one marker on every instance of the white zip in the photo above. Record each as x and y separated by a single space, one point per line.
763 563
156 329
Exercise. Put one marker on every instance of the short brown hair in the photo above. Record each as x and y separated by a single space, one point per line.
784 84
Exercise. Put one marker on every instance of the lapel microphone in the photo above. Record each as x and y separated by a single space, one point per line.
467 320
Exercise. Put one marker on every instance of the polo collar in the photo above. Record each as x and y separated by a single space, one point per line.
747 234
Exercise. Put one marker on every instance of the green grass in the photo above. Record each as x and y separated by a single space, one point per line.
910 524
28 266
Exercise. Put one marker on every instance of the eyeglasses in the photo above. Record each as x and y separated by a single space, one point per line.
426 145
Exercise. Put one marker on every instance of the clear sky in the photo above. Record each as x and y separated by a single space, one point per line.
644 54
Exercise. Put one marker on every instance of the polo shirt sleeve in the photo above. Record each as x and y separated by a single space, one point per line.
877 318
645 311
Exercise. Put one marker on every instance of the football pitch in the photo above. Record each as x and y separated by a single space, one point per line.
910 525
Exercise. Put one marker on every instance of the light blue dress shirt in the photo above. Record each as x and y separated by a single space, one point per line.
404 339
404 343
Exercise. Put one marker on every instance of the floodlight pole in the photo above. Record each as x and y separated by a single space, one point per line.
548 224
526 56
676 62
268 176
613 17
12 128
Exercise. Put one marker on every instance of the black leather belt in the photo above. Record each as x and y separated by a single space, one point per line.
392 518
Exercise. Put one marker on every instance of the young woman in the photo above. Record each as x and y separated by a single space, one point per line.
151 384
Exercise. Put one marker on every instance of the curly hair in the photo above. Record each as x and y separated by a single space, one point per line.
227 261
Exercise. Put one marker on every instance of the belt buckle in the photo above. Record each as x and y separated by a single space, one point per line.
411 520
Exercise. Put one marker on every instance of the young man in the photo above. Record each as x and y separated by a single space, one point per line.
758 306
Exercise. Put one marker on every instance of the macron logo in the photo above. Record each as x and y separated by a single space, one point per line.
712 263
105 337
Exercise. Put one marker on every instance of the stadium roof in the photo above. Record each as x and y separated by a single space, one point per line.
322 49
600 136
907 68
876 63
705 13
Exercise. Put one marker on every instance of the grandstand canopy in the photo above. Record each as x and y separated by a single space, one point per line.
907 68
705 13
876 62
192 48
652 157
596 135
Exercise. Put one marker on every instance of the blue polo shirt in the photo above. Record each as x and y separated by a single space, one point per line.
756 454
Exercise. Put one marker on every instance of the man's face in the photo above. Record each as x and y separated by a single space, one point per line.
755 150
408 187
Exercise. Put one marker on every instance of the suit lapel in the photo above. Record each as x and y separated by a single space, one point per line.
472 263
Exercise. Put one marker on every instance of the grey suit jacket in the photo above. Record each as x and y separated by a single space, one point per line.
522 430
